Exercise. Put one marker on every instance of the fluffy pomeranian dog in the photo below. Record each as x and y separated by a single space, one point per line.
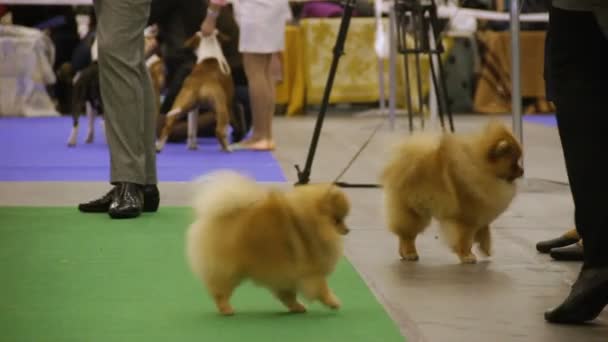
286 241
465 181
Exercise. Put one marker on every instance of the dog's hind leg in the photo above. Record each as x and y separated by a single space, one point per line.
238 123
78 95
290 300
166 131
185 100
73 138
91 113
222 109
406 224
484 238
221 289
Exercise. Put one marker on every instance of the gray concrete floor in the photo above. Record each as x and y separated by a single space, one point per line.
436 299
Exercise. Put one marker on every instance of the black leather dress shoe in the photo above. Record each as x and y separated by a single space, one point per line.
127 201
562 241
151 198
587 299
570 253
102 205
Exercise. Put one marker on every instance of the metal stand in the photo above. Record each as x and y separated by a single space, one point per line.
515 74
408 11
418 19
304 175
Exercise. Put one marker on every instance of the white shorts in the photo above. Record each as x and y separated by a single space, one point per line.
262 25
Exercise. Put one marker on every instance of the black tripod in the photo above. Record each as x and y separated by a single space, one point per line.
411 15
421 22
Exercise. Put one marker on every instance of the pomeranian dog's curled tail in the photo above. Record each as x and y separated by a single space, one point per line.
225 193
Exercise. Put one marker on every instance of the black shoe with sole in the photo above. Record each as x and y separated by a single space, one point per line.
102 204
562 241
151 198
570 253
127 201
587 299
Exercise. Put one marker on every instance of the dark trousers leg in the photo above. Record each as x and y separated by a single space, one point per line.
578 64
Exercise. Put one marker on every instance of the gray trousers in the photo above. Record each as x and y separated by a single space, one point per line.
126 90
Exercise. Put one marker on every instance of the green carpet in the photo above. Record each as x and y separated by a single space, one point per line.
66 276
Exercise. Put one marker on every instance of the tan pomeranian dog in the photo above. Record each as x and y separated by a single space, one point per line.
286 241
465 181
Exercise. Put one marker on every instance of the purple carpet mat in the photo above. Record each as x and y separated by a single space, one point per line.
546 120
35 149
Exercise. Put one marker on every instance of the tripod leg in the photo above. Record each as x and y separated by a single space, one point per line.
392 80
402 36
408 93
444 89
433 62
438 91
439 50
430 49
304 175
381 85
417 15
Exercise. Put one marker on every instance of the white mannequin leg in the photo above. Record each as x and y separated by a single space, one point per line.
193 129
102 126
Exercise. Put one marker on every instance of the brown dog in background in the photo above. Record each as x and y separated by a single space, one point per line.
210 81
286 241
464 181
87 94
154 63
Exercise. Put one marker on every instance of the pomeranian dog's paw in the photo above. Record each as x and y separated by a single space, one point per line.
485 250
332 302
226 310
159 146
410 257
468 259
407 251
297 308
224 307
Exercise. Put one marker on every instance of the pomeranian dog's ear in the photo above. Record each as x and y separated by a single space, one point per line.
336 206
501 149
192 42
335 202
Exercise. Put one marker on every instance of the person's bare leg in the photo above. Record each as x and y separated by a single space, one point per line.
262 97
253 64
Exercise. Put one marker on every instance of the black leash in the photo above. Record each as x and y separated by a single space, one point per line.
354 158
